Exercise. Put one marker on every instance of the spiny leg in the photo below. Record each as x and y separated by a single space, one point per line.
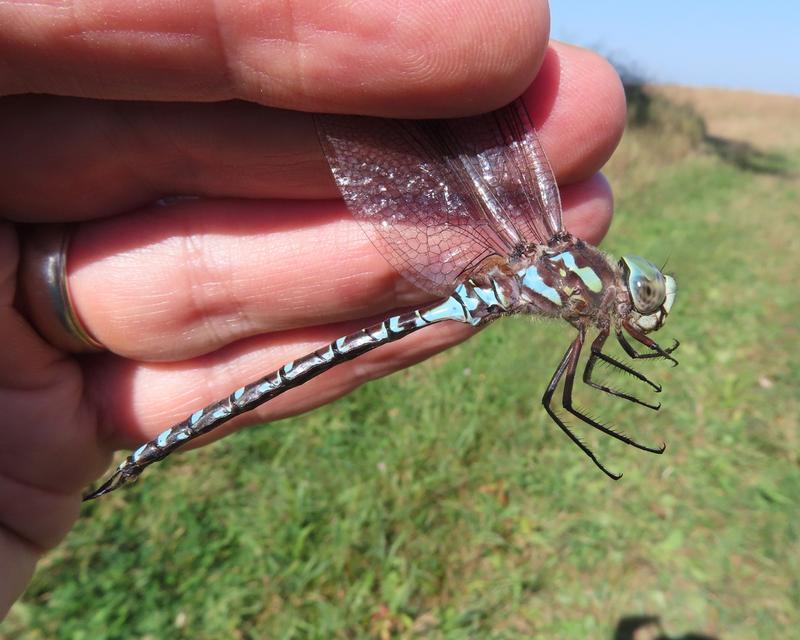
659 351
652 344
567 361
566 401
597 354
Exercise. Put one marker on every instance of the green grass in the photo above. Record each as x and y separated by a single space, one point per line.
442 503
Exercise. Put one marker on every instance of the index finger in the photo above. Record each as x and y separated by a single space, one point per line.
389 58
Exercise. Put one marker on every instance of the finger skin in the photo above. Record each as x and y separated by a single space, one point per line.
399 58
111 157
17 560
577 103
48 445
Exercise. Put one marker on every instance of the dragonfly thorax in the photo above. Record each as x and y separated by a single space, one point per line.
576 282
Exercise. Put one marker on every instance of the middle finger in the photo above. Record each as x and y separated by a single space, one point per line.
100 158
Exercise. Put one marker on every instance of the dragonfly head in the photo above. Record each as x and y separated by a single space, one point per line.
652 293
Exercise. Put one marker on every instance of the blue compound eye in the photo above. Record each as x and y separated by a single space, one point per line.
646 284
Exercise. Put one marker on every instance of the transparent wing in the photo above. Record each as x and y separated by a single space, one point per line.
436 197
505 160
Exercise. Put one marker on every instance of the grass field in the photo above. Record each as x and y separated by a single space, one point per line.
442 503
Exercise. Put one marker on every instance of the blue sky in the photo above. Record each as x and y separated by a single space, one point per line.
733 44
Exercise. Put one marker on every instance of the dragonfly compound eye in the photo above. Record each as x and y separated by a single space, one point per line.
646 284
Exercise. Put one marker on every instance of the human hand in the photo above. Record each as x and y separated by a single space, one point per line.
196 298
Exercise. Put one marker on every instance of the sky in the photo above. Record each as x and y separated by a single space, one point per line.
734 44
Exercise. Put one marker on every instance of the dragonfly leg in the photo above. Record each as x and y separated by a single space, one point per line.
569 381
652 344
569 361
597 354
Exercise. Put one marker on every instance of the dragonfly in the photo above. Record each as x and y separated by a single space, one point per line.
469 211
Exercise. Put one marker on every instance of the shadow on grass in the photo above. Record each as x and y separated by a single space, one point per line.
650 109
745 156
628 628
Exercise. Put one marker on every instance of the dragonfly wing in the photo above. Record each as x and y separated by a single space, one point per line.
436 197
502 154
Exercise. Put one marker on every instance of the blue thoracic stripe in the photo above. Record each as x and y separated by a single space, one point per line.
534 282
586 274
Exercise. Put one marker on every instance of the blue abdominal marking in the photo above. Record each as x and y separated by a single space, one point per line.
138 453
382 334
394 324
450 309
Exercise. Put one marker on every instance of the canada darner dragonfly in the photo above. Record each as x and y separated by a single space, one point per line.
468 210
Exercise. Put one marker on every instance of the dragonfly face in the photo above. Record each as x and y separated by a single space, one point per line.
652 293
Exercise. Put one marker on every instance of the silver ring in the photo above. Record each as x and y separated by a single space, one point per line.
44 290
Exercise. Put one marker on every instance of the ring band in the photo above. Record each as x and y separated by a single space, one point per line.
45 291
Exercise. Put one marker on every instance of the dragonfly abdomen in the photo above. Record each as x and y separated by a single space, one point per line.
470 303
